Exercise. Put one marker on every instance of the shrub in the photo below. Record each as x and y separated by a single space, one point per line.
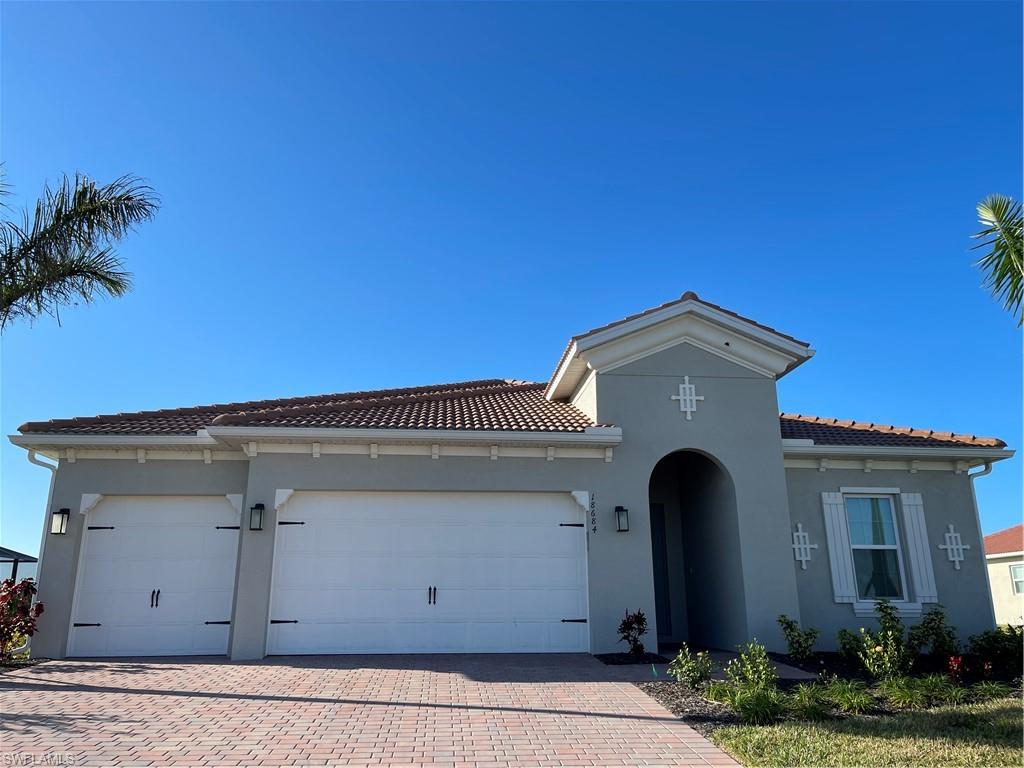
757 704
800 641
955 669
988 689
849 696
694 669
934 636
884 654
1001 649
954 694
632 627
752 668
720 692
933 687
849 645
17 613
902 693
806 702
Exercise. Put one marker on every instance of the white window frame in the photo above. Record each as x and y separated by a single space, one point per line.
1017 582
898 546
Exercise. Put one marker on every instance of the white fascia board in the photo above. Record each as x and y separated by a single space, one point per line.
869 451
1004 555
41 440
597 436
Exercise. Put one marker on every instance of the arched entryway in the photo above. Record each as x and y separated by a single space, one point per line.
698 575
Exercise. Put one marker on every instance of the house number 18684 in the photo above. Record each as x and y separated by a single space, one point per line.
593 514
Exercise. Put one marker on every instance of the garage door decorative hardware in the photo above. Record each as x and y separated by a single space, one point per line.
290 522
284 621
574 621
152 598
571 525
228 527
216 622
78 624
100 527
431 595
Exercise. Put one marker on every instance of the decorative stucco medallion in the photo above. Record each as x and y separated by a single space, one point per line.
954 547
687 398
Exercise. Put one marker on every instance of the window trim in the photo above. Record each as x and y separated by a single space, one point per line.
881 493
1014 581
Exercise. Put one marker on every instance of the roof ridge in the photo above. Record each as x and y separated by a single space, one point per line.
892 429
271 404
241 418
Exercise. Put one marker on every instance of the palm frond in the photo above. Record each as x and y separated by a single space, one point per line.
63 251
1003 265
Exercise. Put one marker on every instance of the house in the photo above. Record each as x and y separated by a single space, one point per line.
652 471
1004 554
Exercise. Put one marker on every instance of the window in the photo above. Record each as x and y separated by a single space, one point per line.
877 559
1017 574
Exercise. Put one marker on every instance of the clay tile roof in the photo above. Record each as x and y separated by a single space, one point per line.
825 431
489 404
1009 540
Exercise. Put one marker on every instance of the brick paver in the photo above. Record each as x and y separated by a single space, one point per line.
458 710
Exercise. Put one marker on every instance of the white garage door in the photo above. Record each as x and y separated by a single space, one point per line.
156 577
430 573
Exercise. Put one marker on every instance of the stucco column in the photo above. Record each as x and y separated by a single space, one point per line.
253 575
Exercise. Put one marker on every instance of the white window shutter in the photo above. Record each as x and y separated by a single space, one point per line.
840 557
921 571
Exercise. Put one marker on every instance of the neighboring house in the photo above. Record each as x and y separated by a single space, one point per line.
652 471
16 565
1004 553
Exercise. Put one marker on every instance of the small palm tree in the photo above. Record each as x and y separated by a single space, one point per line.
1004 264
63 251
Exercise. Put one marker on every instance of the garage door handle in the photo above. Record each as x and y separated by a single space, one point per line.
152 597
158 598
435 595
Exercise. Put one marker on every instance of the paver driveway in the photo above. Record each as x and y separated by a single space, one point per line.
455 710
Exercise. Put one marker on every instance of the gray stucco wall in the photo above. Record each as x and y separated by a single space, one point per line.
737 426
110 477
947 499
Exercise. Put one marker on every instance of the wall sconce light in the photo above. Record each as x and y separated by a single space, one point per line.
59 521
621 519
256 517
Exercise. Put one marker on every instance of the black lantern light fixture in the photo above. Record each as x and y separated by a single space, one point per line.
621 519
256 517
59 521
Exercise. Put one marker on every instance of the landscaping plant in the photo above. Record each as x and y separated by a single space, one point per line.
1002 649
850 645
758 705
631 629
694 669
752 668
17 613
849 696
800 641
884 654
989 689
934 636
807 702
901 693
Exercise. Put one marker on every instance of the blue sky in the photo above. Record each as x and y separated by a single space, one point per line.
374 195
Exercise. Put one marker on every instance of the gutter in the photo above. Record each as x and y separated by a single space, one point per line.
42 542
977 521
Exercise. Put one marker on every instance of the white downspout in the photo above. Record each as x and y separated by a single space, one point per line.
977 520
46 515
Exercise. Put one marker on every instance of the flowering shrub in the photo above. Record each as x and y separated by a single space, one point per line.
955 669
752 668
884 654
694 669
17 613
800 641
631 629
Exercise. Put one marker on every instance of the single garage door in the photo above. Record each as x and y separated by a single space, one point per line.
429 573
156 577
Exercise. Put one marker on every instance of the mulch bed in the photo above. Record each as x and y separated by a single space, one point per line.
689 706
828 664
9 666
616 659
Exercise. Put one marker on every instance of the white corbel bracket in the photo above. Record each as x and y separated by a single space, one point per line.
89 502
583 499
235 500
281 497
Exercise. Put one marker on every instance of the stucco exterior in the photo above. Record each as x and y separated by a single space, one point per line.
1008 604
729 499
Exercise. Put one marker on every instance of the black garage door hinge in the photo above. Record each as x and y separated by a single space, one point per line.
99 527
78 624
284 621
216 622
227 527
571 525
574 621
289 522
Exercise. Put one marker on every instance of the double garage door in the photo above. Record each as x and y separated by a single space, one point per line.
352 573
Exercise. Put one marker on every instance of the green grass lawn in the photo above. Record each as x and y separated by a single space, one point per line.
987 734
